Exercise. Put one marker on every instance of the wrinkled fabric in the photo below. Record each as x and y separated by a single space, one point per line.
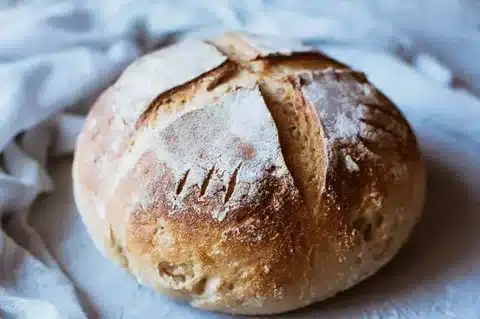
57 56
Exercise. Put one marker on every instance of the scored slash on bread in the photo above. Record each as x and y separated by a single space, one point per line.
246 174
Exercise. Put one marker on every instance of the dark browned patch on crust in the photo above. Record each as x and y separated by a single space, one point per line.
274 59
200 286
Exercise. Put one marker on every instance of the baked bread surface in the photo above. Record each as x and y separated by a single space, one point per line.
247 175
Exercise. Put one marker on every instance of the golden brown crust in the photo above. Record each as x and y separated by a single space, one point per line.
208 81
265 235
303 199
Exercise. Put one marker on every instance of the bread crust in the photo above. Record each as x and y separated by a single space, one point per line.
194 185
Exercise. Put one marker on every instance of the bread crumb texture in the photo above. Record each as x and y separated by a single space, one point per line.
247 175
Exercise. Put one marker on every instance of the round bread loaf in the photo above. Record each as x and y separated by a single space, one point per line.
247 175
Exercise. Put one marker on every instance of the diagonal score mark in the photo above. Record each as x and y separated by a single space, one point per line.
206 181
182 182
380 126
231 184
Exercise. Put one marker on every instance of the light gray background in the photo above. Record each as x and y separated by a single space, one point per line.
59 54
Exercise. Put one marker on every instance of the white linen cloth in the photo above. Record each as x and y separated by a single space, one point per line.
55 56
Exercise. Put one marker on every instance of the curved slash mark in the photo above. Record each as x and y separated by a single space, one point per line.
383 109
370 145
381 127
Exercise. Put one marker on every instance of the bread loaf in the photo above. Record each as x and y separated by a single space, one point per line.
247 175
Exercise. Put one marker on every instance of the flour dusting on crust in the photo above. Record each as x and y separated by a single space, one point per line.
337 95
159 72
225 147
